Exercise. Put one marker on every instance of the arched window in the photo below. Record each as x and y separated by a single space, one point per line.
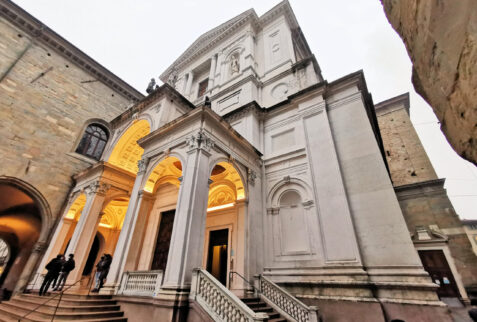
93 141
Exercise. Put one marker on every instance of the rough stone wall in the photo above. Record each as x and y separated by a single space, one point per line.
42 116
407 160
441 40
427 205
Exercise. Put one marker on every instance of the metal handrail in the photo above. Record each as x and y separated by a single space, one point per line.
40 305
231 273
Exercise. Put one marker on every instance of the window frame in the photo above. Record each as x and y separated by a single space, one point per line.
89 132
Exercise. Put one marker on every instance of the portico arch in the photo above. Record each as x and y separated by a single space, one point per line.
126 152
25 220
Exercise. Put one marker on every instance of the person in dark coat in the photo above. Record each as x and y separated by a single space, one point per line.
103 268
97 274
67 267
54 268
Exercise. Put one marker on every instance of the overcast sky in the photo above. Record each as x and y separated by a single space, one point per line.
139 39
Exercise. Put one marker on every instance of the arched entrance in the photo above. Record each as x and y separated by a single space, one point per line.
24 223
225 235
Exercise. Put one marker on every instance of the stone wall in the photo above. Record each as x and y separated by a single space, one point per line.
441 40
407 160
426 205
45 101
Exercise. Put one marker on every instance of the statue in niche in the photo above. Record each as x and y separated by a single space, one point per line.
234 64
150 87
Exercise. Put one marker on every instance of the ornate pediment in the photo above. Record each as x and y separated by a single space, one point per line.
424 234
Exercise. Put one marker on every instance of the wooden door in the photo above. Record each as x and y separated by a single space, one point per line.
435 263
163 240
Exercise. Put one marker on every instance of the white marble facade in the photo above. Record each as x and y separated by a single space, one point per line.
318 208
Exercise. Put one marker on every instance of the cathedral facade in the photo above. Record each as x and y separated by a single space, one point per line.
244 173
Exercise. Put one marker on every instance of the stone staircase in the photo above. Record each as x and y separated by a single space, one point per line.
258 306
85 308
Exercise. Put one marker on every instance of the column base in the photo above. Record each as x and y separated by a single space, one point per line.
109 289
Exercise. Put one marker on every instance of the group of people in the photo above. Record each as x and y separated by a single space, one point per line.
59 268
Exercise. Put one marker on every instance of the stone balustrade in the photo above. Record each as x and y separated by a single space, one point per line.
220 303
141 283
285 302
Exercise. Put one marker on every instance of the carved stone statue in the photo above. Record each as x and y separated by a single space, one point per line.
150 87
234 64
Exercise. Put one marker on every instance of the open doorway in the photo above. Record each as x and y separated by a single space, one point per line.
217 255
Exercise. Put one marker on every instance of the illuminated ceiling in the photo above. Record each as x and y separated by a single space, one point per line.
227 187
127 152
75 210
169 170
114 214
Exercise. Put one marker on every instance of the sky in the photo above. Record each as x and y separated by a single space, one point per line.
139 39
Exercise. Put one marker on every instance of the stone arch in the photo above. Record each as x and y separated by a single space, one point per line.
40 201
151 187
27 215
227 184
239 168
286 184
125 152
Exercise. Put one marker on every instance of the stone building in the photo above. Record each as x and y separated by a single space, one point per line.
437 231
50 93
246 172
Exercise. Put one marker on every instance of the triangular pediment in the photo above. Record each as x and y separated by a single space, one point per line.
213 36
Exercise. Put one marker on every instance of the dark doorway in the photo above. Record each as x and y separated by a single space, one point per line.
218 254
93 253
163 240
435 263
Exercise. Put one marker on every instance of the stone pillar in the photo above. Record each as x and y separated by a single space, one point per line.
240 247
187 241
125 237
56 240
190 76
254 227
29 267
85 231
213 64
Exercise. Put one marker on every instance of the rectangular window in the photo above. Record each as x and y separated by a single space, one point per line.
203 87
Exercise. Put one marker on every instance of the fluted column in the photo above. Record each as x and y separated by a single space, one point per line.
125 237
85 231
187 241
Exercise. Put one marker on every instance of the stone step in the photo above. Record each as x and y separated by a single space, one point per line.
277 320
263 309
50 307
72 295
68 301
247 300
46 313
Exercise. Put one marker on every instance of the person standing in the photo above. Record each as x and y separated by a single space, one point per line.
97 274
67 267
103 268
53 267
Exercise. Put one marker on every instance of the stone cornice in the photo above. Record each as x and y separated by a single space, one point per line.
43 35
394 103
159 93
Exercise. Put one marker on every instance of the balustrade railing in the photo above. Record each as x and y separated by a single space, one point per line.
220 303
141 283
293 307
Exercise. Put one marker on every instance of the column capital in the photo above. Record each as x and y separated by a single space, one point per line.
251 176
97 187
200 140
142 165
